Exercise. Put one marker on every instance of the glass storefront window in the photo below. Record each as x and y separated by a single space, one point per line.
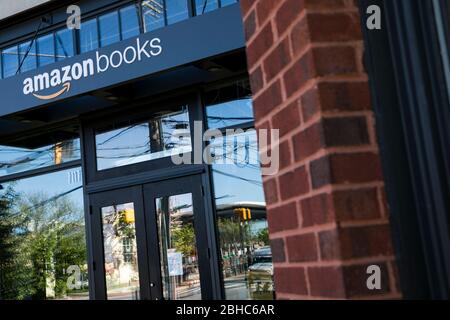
159 137
29 62
159 13
16 159
176 11
178 249
46 49
153 14
42 238
109 28
129 22
229 106
10 60
156 14
205 6
119 243
64 44
225 3
89 36
239 197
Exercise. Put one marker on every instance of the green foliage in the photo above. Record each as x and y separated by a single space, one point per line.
230 231
184 240
263 236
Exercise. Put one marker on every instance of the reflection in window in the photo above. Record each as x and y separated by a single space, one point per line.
119 242
64 44
229 106
109 28
46 50
129 22
225 3
17 159
28 61
204 6
10 60
88 36
178 249
242 219
42 238
153 14
162 136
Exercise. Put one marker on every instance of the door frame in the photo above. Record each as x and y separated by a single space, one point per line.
410 101
97 202
189 184
141 193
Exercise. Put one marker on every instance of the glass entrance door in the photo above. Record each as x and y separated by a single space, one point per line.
150 242
119 247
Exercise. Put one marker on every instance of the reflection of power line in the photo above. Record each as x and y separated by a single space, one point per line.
21 62
154 8
58 38
204 6
118 134
34 54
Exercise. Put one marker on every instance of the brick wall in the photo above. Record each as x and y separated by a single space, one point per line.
327 211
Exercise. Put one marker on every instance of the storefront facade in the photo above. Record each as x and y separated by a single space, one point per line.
130 153
98 197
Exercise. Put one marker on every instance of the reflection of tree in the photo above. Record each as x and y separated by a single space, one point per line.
229 232
44 240
263 236
184 240
234 237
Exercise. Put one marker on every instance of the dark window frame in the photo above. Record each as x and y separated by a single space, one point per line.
209 174
95 14
48 169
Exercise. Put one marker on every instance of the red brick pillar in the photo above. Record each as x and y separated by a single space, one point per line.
327 212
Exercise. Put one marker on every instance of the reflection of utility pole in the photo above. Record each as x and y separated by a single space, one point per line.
156 138
155 7
166 239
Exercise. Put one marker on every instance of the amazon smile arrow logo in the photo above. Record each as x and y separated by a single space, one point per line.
66 88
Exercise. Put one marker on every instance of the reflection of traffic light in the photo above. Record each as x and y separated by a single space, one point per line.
244 214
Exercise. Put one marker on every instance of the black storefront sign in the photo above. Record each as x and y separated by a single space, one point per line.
149 53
